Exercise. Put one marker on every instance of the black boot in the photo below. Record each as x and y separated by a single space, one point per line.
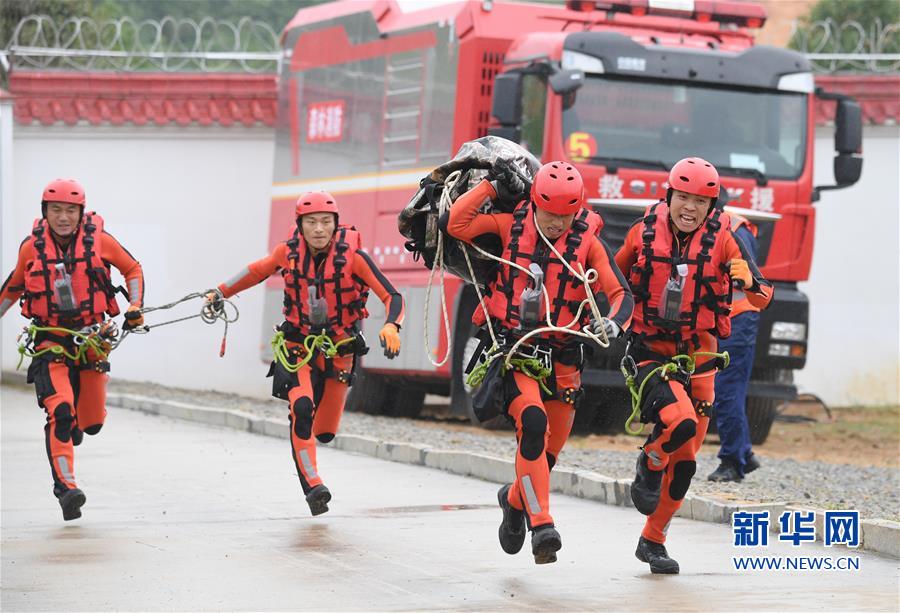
545 542
751 464
317 499
512 528
645 487
71 502
657 557
727 471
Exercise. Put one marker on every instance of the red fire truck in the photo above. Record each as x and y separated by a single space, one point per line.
374 94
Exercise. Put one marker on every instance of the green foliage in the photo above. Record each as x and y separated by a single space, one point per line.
872 15
275 13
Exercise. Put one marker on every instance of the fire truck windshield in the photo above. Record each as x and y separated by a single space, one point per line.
652 124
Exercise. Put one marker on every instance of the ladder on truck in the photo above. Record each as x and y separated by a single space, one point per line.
403 105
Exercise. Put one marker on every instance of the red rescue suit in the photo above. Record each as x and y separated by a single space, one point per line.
342 277
651 254
543 423
72 394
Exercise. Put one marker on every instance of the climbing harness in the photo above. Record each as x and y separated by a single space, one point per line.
312 343
682 364
100 338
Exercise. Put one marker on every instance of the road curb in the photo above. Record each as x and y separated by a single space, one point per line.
877 535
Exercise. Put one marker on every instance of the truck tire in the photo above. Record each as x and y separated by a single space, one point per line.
374 394
368 394
464 344
405 402
761 413
611 408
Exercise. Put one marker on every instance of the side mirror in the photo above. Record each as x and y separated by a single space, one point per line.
847 169
847 142
848 127
507 103
566 81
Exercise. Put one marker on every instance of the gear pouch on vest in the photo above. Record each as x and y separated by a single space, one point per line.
318 309
282 380
532 298
63 293
490 398
672 294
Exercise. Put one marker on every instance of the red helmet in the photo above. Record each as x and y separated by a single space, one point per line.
315 202
558 188
64 190
695 176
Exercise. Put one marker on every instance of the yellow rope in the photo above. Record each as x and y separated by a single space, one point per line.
687 363
90 342
530 367
321 342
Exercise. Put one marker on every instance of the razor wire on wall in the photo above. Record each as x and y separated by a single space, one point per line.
210 45
849 46
124 44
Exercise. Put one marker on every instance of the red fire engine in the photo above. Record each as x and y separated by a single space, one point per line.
372 97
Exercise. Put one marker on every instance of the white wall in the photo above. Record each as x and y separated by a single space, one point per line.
853 287
191 204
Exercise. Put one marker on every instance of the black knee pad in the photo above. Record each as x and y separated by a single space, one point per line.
551 460
682 474
63 416
683 432
325 437
534 427
92 430
303 417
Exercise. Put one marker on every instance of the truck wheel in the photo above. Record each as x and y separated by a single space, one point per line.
405 402
369 394
375 395
611 409
464 345
761 413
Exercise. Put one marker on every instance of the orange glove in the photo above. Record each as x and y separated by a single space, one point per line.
133 318
390 340
740 272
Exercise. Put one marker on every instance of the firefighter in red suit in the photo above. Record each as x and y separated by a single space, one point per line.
543 420
327 278
63 277
681 258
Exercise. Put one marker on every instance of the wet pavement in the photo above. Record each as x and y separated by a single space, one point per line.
187 517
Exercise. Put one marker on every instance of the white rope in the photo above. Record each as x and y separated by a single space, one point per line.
443 205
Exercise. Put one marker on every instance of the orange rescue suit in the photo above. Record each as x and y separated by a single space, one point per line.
90 276
334 281
706 292
524 246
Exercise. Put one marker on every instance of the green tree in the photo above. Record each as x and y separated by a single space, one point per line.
873 16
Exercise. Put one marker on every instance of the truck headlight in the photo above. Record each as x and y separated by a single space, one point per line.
788 331
781 350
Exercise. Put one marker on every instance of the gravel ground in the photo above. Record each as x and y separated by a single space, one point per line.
874 491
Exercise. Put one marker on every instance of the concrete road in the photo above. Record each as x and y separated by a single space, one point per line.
186 517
